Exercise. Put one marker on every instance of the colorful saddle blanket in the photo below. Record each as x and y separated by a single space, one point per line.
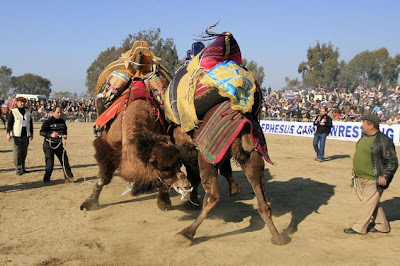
233 82
137 90
185 101
220 128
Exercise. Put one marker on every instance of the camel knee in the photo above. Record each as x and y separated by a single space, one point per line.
211 201
265 211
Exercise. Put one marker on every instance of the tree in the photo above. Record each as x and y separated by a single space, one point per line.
163 48
5 81
371 68
321 67
31 84
292 83
257 71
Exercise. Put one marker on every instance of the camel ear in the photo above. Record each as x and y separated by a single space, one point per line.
153 160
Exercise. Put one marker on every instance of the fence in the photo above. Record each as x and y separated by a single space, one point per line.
350 131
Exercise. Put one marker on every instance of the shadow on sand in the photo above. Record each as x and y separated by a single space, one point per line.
299 196
391 208
38 184
39 168
336 157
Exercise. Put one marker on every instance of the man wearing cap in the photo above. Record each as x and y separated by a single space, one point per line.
20 129
374 164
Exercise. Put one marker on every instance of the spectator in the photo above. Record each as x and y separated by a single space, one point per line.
20 130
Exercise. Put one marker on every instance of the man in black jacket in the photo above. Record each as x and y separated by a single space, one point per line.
374 165
54 130
324 124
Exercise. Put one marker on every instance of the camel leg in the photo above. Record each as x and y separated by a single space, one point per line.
106 170
208 175
163 200
226 171
193 176
189 156
253 167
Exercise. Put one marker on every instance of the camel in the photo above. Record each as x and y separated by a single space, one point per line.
247 147
133 137
142 154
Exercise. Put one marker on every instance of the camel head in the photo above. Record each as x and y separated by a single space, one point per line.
163 160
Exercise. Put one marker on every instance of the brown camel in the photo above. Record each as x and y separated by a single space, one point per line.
134 144
191 93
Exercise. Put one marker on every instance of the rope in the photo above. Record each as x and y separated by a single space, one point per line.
53 148
355 185
63 156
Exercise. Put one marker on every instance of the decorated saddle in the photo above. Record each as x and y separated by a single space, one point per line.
211 77
220 128
135 75
137 63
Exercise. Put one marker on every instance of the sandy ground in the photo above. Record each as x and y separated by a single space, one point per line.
312 203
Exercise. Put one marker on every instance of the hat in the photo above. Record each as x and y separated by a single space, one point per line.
20 99
372 118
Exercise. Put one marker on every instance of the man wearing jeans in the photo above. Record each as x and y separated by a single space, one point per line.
324 124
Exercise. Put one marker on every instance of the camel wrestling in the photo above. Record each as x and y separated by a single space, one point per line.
140 134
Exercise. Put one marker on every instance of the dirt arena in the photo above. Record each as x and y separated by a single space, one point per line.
312 203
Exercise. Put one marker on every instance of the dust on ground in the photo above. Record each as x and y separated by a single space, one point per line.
312 203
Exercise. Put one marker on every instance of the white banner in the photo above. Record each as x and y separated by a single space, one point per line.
340 130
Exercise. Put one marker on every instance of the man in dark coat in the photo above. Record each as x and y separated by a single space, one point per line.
324 124
54 130
374 165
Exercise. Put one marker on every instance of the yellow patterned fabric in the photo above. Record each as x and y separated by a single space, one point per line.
233 82
187 117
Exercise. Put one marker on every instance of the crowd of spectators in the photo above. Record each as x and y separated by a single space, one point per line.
73 110
342 104
298 105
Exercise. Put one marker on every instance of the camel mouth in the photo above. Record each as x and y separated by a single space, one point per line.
182 191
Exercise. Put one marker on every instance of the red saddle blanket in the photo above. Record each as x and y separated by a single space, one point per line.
137 90
220 128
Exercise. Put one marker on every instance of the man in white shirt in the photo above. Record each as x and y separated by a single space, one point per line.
20 130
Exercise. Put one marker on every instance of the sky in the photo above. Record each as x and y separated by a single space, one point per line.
59 40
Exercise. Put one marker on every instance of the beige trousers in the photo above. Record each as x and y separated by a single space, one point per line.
370 210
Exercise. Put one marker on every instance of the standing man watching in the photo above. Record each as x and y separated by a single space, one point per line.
20 130
54 130
324 124
374 164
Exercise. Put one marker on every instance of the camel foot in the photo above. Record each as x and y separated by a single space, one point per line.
90 205
278 240
235 189
164 203
186 233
